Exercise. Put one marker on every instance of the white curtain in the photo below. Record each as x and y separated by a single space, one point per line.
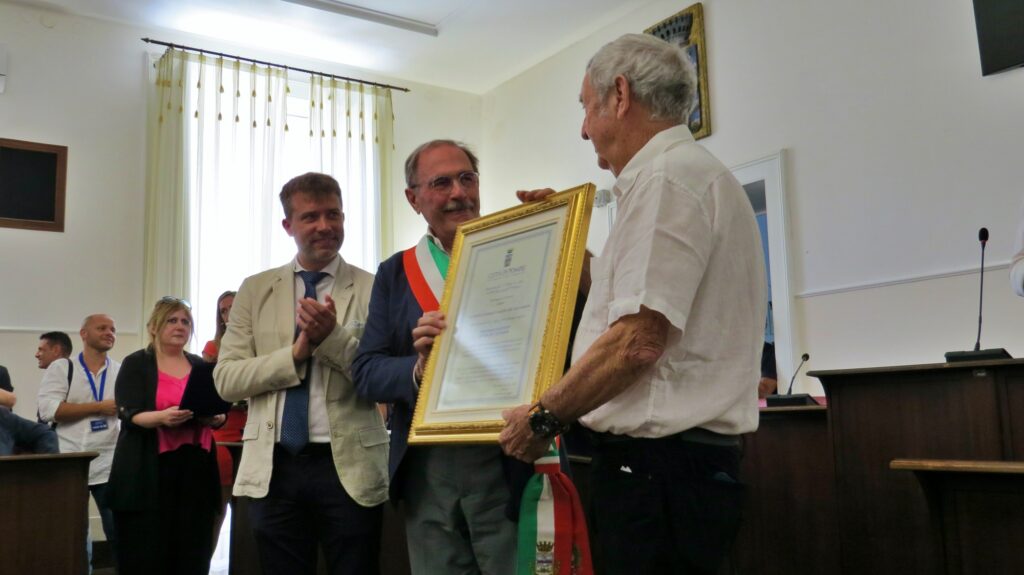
227 136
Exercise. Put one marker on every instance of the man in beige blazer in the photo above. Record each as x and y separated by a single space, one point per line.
315 455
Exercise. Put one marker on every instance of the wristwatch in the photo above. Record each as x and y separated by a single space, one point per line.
544 424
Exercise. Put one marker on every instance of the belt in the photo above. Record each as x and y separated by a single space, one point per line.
692 435
310 449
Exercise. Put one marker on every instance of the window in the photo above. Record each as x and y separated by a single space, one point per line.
247 131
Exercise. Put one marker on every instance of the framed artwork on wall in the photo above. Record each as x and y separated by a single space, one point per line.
32 183
686 29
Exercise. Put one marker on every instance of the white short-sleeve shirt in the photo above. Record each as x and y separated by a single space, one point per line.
79 435
685 243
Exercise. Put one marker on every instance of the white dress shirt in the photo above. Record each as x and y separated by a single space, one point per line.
1017 265
319 425
685 243
78 436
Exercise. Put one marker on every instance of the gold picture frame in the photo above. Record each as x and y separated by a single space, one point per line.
686 30
503 346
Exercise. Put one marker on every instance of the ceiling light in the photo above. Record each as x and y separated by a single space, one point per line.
369 15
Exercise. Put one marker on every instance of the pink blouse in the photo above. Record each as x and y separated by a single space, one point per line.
169 390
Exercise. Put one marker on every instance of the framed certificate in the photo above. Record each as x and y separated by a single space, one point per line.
508 302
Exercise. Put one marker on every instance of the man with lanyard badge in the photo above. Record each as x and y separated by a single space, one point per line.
82 407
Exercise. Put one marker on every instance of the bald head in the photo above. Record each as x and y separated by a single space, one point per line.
98 332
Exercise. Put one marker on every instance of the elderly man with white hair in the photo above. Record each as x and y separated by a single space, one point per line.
666 358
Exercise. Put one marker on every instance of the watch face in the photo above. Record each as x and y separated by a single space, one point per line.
541 424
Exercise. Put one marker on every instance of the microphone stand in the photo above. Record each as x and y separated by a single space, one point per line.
789 399
978 354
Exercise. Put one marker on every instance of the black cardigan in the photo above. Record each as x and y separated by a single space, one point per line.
133 483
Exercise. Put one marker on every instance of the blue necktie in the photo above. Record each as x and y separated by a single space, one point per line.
295 420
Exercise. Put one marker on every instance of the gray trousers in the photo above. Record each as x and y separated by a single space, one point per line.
454 503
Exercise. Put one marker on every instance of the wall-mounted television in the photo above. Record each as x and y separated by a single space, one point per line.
33 177
1000 34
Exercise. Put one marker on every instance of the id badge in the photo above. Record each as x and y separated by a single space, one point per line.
98 424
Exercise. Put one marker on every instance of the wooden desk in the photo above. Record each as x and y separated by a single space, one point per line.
977 507
789 518
963 411
44 504
789 522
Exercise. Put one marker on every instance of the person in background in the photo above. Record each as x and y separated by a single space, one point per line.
16 431
78 397
212 347
231 431
53 345
163 481
769 382
1017 263
7 397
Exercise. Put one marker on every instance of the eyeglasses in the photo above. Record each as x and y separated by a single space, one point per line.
445 183
172 299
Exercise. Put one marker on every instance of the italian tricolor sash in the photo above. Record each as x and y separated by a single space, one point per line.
552 530
425 277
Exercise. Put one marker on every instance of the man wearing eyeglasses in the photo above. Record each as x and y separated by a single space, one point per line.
453 497
81 404
315 454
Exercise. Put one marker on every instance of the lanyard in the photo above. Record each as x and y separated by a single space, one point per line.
92 384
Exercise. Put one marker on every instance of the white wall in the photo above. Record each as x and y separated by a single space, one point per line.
81 83
898 151
71 82
427 113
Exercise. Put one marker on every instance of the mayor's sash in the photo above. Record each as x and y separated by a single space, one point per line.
425 279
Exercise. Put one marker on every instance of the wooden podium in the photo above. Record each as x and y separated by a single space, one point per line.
44 503
962 411
789 518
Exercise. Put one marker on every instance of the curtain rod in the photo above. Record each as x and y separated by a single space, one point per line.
243 59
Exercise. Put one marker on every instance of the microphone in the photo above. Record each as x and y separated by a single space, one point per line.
983 238
979 354
803 358
790 399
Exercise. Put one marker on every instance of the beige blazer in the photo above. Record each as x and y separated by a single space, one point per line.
255 363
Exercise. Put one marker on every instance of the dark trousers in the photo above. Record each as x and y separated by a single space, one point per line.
306 506
663 505
99 493
174 538
16 431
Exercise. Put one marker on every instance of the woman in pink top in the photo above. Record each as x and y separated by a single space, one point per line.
163 486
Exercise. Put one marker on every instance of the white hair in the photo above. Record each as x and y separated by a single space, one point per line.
660 75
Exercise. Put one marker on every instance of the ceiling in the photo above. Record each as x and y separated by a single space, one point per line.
479 44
